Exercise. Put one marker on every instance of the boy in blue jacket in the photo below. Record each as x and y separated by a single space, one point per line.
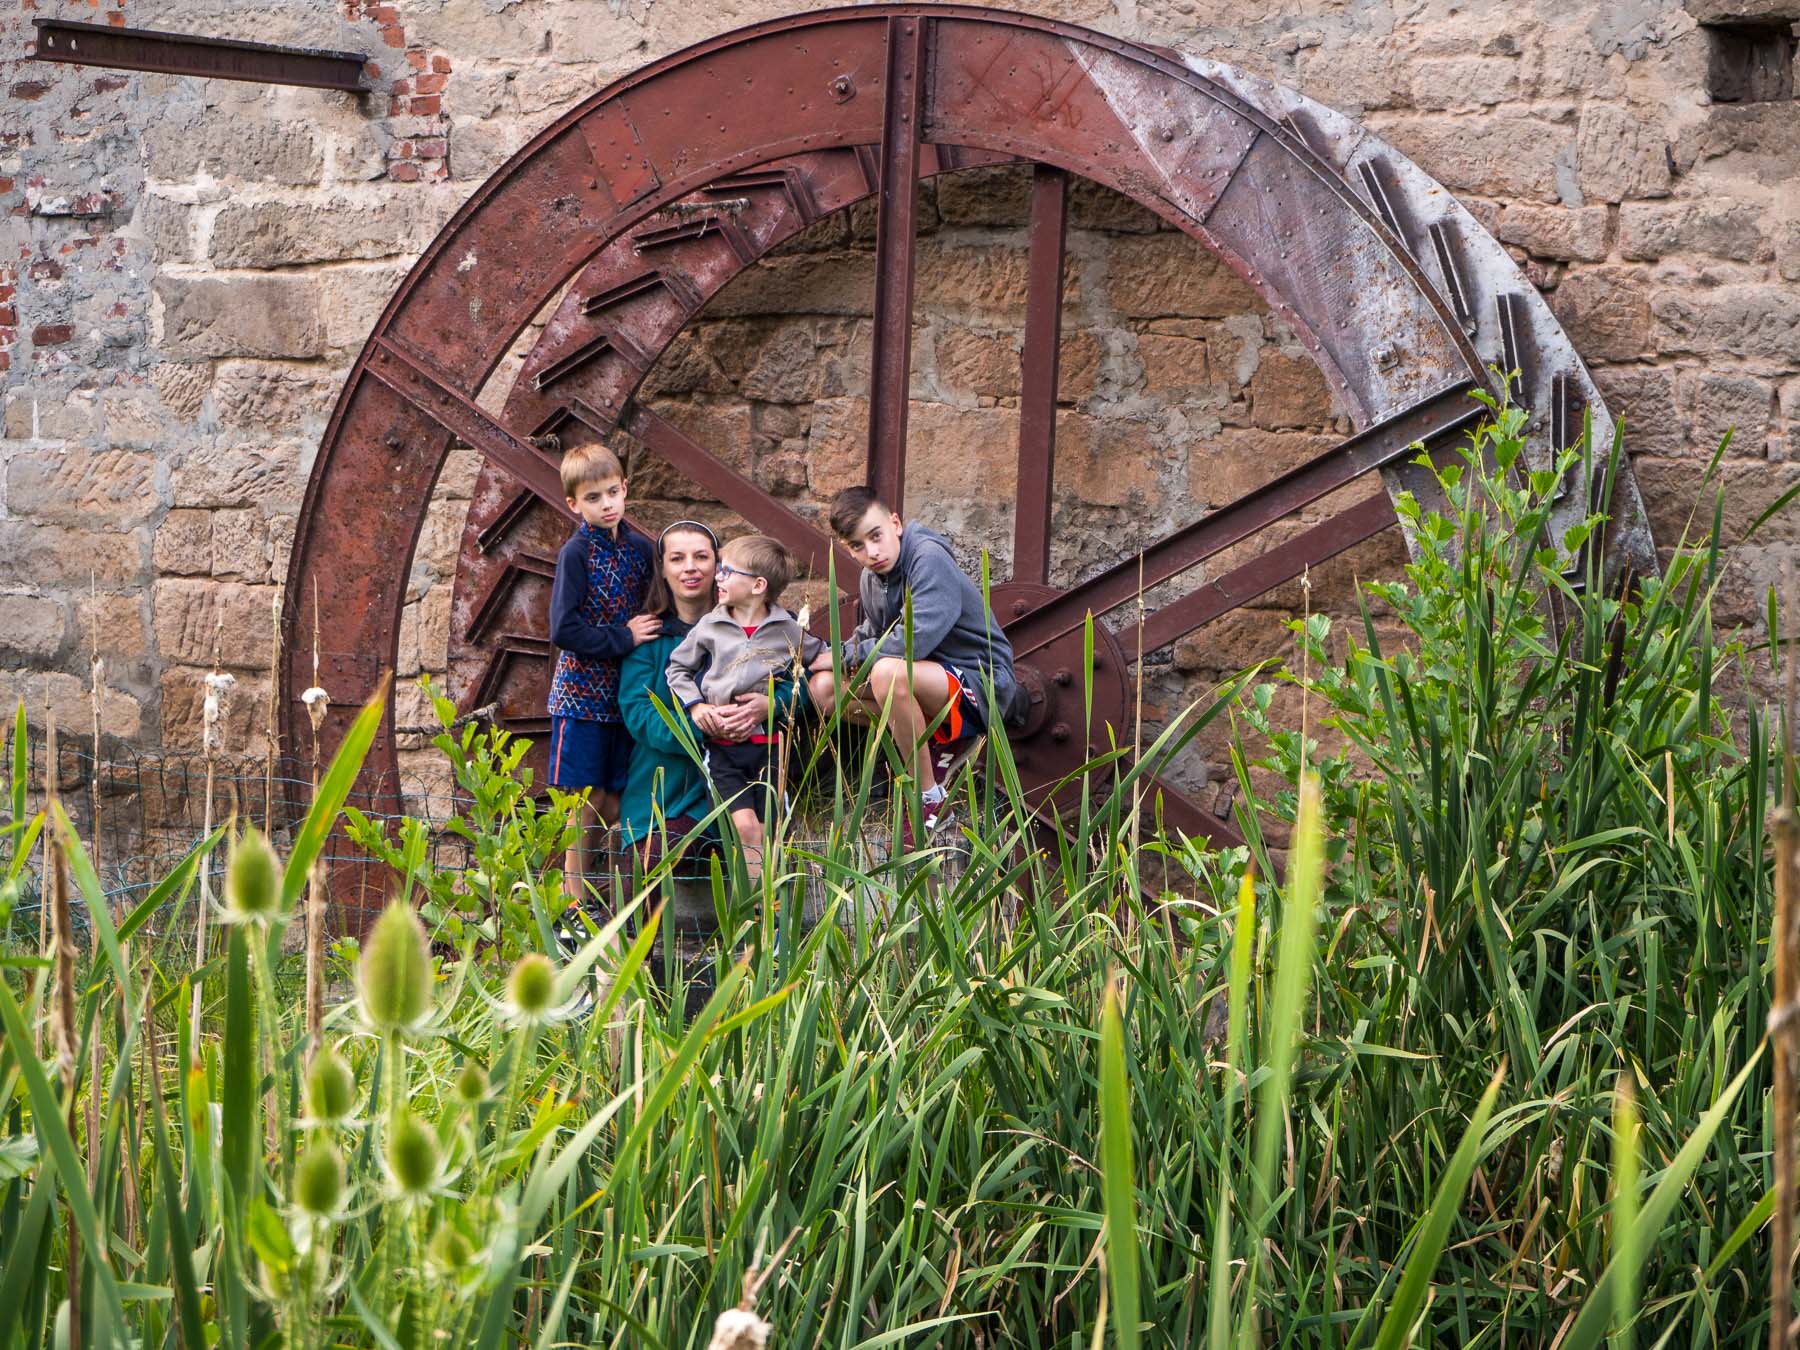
601 577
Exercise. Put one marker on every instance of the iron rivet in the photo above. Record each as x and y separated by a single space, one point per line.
1062 677
1059 732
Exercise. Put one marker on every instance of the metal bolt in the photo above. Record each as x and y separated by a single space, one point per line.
1062 677
1019 608
843 89
1060 732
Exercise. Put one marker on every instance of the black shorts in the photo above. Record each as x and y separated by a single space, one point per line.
742 774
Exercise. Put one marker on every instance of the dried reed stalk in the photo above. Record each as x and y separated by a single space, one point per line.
269 730
218 688
64 1038
1784 1016
316 702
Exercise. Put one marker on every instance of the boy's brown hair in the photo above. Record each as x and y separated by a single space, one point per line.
763 557
850 506
590 462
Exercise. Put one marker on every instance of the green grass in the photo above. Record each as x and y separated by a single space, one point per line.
1023 1100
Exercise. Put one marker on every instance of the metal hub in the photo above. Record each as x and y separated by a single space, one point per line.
640 204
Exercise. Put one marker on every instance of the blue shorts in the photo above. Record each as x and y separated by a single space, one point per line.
586 754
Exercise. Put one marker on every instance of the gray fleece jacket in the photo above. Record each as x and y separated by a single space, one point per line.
716 662
950 618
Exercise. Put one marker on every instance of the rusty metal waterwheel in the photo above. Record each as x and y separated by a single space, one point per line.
641 204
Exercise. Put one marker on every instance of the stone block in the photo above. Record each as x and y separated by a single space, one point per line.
982 281
68 416
53 555
999 195
478 148
1078 367
970 362
234 148
240 544
1289 391
191 614
281 543
1239 460
351 299
1170 275
1555 232
216 472
273 394
106 489
133 417
182 385
785 369
1464 82
1620 156
31 629
462 469
1606 312
70 702
1500 154
1678 500
184 544
1759 323
376 223
1109 462
184 699
1725 11
434 556
840 283
168 229
276 315
1236 640
117 621
1645 397
1719 402
1787 250
687 366
1175 366
837 445
1724 229
1095 207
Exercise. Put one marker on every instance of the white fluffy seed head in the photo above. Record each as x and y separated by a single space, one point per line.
739 1329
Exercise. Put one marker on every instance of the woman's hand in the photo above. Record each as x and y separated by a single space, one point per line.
743 717
644 627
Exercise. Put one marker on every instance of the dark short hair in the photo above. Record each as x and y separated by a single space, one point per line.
763 557
850 506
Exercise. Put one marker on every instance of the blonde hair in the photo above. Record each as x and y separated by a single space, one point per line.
762 557
590 463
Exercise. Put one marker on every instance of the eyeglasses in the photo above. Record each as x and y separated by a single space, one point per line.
726 572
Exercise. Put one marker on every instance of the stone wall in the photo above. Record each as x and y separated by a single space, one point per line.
190 266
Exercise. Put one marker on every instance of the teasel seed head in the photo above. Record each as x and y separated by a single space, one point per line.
471 1084
252 880
413 1156
395 976
330 1087
531 988
319 1180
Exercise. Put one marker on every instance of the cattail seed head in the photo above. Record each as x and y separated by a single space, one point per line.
471 1084
213 710
531 988
317 702
330 1087
252 879
319 1180
413 1156
395 976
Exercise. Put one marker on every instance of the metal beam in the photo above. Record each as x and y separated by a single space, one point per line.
1039 371
98 44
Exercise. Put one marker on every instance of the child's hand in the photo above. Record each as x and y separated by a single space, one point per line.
643 627
822 661
706 718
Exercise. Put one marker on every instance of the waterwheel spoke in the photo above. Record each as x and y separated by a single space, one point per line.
1040 368
1264 572
810 545
896 225
408 376
1443 414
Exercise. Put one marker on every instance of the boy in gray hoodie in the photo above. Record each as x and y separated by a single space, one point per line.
739 647
957 647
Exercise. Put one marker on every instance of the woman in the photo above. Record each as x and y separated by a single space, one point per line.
665 789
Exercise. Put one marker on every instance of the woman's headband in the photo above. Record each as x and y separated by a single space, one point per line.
694 525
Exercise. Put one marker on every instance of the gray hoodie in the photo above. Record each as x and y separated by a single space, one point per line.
950 618
716 662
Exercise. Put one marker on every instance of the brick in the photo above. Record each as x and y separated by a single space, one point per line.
1289 391
184 543
52 334
1619 156
31 628
1606 312
1555 231
82 486
240 316
192 615
1724 229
